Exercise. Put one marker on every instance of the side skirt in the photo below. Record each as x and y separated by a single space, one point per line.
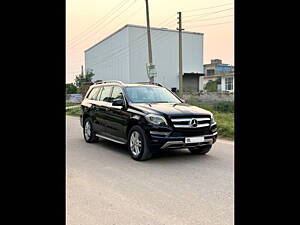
111 139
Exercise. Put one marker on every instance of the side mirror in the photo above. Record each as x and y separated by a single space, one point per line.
118 102
183 100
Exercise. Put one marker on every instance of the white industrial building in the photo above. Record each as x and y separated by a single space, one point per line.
124 55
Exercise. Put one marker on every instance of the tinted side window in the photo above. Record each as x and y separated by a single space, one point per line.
105 95
117 93
93 93
99 93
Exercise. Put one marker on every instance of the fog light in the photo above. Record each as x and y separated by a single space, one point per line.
159 133
213 128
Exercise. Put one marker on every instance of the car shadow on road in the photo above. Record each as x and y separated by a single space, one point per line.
112 146
178 155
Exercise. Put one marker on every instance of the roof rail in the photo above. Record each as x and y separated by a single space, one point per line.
108 81
98 82
157 84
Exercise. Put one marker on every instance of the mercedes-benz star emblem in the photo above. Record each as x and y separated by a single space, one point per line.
193 123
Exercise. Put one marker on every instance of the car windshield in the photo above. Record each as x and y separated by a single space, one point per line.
150 94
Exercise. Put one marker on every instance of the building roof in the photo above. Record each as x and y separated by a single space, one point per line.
138 26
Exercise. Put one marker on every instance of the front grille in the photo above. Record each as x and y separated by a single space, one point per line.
183 127
191 122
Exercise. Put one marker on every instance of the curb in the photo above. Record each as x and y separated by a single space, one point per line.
223 141
72 107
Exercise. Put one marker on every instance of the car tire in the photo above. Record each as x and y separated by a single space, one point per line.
138 146
88 132
201 150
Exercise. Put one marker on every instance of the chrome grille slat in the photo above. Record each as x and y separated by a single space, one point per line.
188 126
185 122
188 119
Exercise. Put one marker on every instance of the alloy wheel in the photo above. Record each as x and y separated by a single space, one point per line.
135 143
87 130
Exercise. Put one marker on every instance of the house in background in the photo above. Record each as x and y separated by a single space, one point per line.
224 73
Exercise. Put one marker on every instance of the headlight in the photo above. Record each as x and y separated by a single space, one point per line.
212 121
156 119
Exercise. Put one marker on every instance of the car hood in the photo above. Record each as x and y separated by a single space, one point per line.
170 109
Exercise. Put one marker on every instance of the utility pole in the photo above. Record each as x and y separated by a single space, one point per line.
151 78
82 70
180 55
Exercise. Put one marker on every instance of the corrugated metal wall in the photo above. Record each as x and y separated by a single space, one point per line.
109 59
129 65
165 54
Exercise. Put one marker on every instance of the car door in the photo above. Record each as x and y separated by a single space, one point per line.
117 116
91 105
102 106
95 105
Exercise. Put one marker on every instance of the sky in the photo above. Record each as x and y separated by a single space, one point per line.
90 21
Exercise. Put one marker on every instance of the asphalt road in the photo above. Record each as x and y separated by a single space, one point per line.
105 186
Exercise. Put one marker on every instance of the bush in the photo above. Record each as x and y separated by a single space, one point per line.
203 105
223 114
71 89
71 104
74 112
225 123
212 85
227 107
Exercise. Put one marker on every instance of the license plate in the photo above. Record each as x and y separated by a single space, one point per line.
194 139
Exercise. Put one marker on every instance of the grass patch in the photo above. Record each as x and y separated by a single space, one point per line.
225 120
71 104
73 112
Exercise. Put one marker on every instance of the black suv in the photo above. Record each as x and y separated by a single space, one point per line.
147 117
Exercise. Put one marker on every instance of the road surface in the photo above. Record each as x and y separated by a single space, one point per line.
105 186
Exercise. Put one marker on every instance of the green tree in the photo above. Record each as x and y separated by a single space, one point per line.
71 89
81 79
212 86
83 82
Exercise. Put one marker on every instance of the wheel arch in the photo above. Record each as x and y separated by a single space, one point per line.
132 122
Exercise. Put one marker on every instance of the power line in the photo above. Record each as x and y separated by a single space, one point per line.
217 6
206 25
111 12
79 51
103 25
209 13
214 18
171 16
80 41
193 10
131 15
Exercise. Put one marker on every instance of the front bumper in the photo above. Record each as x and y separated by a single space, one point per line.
171 139
208 140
